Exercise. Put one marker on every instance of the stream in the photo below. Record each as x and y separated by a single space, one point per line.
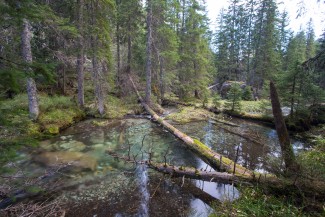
101 185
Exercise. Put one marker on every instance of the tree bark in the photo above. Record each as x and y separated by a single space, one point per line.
283 135
148 52
128 69
98 86
292 100
80 58
161 79
97 72
26 38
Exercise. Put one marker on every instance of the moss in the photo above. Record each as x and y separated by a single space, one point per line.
201 145
52 129
54 120
188 114
99 123
33 130
116 107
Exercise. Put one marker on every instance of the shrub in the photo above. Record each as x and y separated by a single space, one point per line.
234 97
217 100
247 94
313 161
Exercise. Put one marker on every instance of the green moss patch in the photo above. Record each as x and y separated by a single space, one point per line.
116 107
188 114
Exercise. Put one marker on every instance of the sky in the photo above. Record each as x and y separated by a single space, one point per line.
312 9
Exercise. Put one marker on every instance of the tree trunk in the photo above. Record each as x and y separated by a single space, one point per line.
26 38
80 58
97 72
128 69
148 53
161 79
98 86
292 101
286 148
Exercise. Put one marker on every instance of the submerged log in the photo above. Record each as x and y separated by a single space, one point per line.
212 158
225 122
247 137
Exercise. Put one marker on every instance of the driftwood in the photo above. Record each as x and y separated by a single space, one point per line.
212 158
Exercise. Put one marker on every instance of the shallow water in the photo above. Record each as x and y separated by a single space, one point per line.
117 188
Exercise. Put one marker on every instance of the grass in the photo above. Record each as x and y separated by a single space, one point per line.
116 107
253 202
312 162
255 106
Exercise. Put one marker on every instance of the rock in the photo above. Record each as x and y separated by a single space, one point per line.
74 146
63 137
76 159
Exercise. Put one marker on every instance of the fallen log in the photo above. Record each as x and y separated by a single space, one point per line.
186 172
212 158
269 182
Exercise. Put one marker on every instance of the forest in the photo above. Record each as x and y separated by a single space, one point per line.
142 108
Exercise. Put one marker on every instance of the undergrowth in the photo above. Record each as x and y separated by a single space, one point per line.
17 129
253 202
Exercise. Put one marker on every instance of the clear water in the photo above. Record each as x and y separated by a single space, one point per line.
124 189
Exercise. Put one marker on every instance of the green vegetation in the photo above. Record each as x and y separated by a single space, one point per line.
57 112
74 59
188 114
247 94
234 97
217 100
313 161
253 202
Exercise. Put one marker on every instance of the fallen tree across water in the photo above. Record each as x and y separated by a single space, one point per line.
181 171
212 158
269 182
